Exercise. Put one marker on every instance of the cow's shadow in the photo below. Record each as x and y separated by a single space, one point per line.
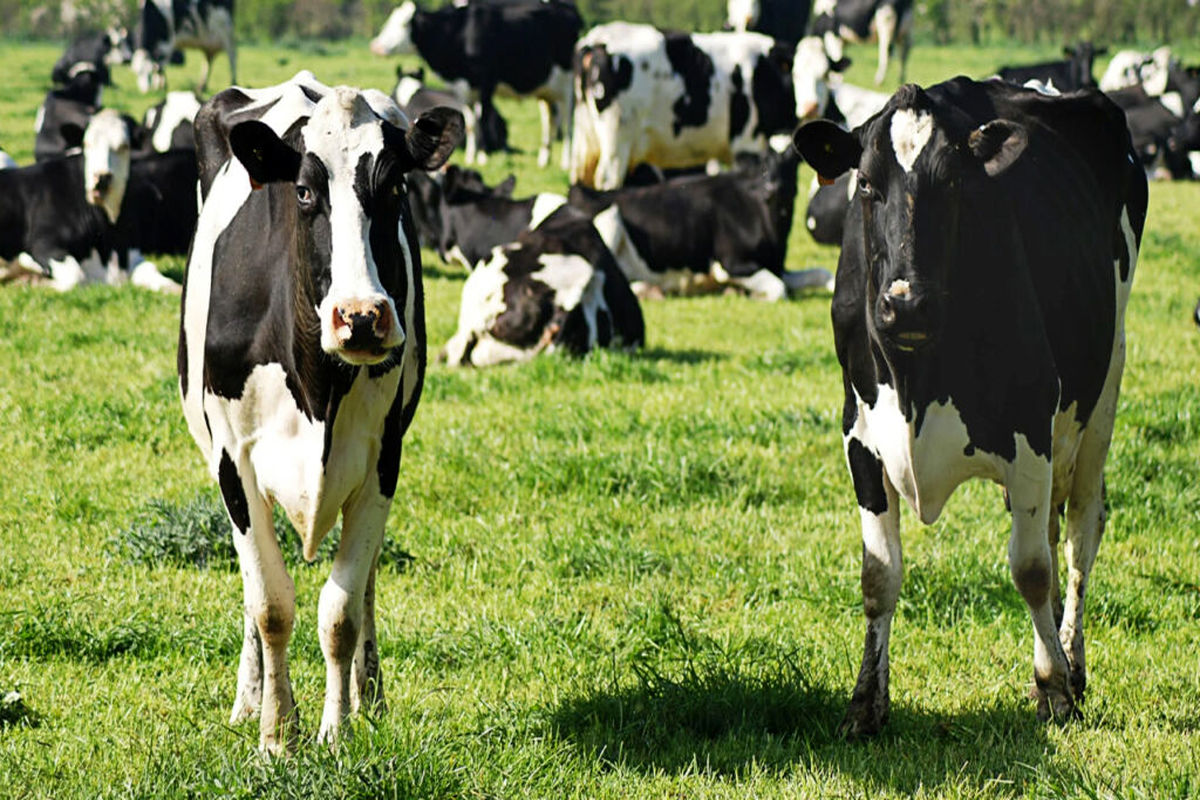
727 726
684 356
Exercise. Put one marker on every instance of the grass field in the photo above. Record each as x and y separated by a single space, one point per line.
623 577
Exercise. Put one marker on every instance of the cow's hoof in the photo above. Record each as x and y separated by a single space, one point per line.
862 721
1055 706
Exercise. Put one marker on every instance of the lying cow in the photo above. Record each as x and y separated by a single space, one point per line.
520 48
301 360
1133 67
165 25
703 233
1065 75
887 21
65 112
983 338
828 205
169 124
556 288
675 100
92 51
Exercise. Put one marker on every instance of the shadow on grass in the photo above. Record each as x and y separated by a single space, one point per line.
685 356
728 723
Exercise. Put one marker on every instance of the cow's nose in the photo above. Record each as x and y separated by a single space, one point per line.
366 327
906 315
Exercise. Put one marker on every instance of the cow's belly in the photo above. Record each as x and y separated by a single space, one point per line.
286 449
924 468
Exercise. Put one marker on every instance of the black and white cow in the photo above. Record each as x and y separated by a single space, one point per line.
888 21
92 51
673 99
1162 138
472 219
828 205
65 112
1065 75
301 359
1133 67
979 322
415 98
555 288
783 20
702 233
169 124
164 25
519 48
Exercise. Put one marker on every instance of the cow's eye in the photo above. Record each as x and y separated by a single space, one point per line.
304 195
866 189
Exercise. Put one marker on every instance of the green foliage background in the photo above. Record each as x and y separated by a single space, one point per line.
942 21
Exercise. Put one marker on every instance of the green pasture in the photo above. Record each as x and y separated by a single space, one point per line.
631 576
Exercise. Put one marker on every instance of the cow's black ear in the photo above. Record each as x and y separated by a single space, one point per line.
505 187
71 134
420 74
433 137
998 144
841 65
266 157
829 149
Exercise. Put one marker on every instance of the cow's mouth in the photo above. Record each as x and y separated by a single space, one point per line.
909 341
365 357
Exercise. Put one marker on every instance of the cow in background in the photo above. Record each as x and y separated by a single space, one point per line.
782 20
888 21
1065 75
520 48
166 25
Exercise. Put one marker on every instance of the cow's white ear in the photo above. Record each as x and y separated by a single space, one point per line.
829 149
433 137
998 144
266 157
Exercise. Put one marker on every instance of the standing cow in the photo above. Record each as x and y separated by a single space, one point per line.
164 25
301 359
674 99
520 48
979 321
888 21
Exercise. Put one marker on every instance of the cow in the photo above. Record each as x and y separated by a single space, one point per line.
782 20
7 161
471 219
888 21
556 288
673 99
520 48
301 359
1133 67
979 322
414 98
1065 75
702 233
92 51
164 25
1162 138
168 125
65 113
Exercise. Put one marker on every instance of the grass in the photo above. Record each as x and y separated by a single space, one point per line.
630 576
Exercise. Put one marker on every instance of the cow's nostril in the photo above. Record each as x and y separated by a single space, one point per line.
104 181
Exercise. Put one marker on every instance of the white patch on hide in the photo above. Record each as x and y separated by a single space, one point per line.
911 131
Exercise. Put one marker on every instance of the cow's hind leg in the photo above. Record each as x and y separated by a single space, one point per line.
269 598
882 573
1030 561
342 613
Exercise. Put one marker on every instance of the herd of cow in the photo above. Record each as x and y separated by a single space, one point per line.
989 235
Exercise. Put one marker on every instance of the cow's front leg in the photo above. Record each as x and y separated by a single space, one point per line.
341 615
366 681
882 573
269 598
1031 565
546 111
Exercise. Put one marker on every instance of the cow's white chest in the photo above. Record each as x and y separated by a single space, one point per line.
926 466
286 449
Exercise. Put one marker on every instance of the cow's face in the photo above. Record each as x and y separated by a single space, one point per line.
915 169
106 158
346 167
812 70
396 36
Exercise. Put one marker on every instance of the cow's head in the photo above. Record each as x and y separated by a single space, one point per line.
812 69
916 166
344 170
395 38
107 144
148 69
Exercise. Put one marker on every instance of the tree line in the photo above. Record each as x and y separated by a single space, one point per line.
1119 22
